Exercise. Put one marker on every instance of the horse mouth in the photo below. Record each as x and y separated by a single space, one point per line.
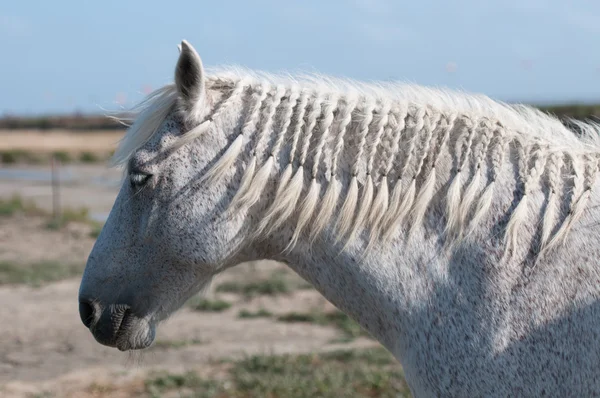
122 324
121 328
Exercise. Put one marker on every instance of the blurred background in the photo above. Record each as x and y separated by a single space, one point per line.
261 331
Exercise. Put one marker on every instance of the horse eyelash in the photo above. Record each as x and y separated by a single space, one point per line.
139 179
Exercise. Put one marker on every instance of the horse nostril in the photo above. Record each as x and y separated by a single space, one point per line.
86 312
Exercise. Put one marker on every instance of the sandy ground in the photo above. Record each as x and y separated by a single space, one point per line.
60 140
45 348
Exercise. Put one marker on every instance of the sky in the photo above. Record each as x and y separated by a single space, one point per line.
94 56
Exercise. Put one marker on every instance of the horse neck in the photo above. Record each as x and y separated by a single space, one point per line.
379 289
347 277
470 156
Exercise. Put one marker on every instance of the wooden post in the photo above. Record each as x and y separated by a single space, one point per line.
55 189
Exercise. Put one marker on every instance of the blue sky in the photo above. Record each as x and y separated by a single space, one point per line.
59 56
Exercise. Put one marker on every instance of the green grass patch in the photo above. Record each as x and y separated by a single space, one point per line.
272 286
261 313
62 156
15 204
20 156
38 273
89 157
10 156
43 394
70 215
13 156
163 382
364 373
96 229
206 305
165 344
338 319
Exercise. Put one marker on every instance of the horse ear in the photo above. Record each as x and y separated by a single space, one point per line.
189 79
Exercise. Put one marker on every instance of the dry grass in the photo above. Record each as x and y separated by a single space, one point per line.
358 373
37 146
37 274
206 305
275 284
337 319
17 205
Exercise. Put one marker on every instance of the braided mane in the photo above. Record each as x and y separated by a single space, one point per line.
389 137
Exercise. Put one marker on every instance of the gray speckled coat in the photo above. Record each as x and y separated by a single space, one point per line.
462 323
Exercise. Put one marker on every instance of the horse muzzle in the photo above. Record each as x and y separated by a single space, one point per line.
116 325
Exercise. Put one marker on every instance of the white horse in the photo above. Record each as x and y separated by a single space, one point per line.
462 233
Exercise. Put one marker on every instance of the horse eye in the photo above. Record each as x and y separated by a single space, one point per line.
139 179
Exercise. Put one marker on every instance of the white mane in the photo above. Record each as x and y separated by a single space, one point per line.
390 136
518 117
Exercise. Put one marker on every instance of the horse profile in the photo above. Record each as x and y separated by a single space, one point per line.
460 232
